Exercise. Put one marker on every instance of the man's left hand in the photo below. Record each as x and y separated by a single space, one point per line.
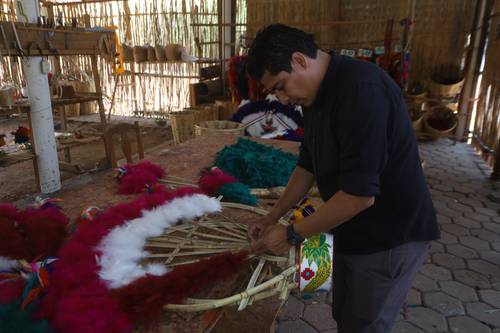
274 240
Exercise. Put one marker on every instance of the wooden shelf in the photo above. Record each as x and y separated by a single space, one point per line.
56 102
15 157
35 40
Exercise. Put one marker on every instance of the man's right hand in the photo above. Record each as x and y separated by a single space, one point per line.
257 227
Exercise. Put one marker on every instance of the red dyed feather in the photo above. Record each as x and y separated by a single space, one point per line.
77 301
11 290
12 243
139 175
151 167
44 231
211 180
145 298
135 182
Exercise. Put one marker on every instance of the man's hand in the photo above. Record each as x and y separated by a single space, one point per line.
256 229
273 240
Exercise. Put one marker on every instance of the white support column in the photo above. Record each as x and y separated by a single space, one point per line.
41 108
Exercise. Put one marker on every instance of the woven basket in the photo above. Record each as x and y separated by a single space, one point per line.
443 115
446 81
204 112
127 53
173 51
7 96
416 115
219 127
416 95
160 53
151 53
140 53
226 109
182 123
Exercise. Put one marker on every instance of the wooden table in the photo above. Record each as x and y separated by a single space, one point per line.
23 106
184 160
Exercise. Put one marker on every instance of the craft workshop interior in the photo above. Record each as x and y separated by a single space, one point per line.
222 166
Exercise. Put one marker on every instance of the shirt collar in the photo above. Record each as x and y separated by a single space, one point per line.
324 90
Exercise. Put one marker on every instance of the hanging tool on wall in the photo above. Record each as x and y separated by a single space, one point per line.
21 12
60 24
115 52
118 68
17 43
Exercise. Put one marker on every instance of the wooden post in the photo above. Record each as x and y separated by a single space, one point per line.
128 38
220 21
233 27
33 149
61 109
97 80
495 175
465 101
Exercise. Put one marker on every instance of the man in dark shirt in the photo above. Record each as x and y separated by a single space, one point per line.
360 149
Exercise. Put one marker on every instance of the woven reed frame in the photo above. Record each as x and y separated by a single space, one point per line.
229 236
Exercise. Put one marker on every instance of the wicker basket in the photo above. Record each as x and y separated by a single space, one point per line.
151 53
7 96
226 109
446 81
182 125
416 95
173 51
160 53
219 127
443 116
140 53
204 112
416 115
127 53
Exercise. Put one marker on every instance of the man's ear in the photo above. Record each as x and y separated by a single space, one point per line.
299 60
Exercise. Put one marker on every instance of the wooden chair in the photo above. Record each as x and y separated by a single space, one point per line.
122 129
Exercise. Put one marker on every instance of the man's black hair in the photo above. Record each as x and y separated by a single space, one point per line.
273 47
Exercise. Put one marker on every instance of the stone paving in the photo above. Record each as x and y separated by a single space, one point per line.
458 288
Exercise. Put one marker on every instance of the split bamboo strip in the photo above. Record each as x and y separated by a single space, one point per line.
184 254
208 305
251 283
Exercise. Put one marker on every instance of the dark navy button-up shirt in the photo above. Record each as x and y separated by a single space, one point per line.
359 139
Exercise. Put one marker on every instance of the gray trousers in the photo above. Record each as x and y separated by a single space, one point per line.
369 290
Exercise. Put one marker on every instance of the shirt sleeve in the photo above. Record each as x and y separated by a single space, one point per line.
362 127
304 160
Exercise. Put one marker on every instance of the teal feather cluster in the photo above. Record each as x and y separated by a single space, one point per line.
256 165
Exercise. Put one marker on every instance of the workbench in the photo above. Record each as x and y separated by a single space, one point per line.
184 160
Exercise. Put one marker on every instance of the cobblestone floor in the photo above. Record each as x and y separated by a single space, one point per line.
458 288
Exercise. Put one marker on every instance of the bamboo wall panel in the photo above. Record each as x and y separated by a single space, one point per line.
487 124
440 26
155 86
